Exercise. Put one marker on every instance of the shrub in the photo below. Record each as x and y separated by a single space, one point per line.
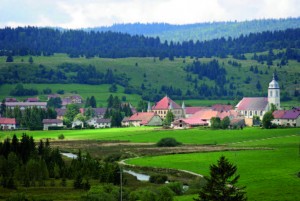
168 142
158 179
176 187
61 137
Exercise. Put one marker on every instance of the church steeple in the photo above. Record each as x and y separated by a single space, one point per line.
183 105
149 107
274 93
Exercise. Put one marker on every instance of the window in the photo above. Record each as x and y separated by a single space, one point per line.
271 93
250 113
277 93
245 112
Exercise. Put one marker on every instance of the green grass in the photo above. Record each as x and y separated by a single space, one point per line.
152 134
154 73
267 174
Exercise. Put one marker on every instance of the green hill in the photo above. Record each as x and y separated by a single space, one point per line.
153 74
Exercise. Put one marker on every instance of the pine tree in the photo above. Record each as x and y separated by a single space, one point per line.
221 185
93 102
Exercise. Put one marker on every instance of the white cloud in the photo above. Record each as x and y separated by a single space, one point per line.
91 13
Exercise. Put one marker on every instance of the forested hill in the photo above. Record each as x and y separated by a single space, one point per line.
47 41
202 31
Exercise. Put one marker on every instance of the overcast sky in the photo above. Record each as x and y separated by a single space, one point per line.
93 13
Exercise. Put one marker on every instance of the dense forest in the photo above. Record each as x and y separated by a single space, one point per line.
202 31
47 41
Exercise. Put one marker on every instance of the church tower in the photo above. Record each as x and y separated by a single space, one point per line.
274 93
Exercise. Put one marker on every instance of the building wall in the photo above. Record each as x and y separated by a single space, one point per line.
46 126
155 121
178 113
249 121
8 126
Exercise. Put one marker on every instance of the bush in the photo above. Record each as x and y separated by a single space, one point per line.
168 142
158 179
61 137
176 187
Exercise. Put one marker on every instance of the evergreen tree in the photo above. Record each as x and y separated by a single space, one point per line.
87 102
93 102
9 58
110 101
3 108
221 185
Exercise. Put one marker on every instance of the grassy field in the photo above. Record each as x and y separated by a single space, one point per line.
154 73
267 174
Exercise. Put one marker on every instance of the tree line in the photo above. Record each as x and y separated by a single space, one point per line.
47 41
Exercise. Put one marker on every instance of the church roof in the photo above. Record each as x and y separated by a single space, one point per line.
273 84
164 104
256 103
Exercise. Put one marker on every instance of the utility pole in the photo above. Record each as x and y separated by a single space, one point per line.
121 183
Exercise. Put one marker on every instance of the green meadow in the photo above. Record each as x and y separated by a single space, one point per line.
269 172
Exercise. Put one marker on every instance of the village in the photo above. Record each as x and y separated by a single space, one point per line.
248 112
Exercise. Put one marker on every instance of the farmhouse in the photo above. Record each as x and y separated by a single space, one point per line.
143 119
77 124
52 123
10 100
34 99
258 106
188 123
162 107
287 117
8 123
99 122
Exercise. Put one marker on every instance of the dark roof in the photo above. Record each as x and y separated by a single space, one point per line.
103 121
99 111
257 103
52 121
221 108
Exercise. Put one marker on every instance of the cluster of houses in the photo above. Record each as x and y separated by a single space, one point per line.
241 115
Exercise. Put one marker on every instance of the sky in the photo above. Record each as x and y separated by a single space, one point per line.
75 14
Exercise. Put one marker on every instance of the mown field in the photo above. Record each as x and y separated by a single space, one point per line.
268 174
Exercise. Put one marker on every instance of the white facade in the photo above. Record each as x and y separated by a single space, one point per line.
274 93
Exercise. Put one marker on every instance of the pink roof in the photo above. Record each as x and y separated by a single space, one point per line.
291 114
32 99
230 114
26 104
52 121
11 100
144 117
220 107
194 121
278 114
7 121
205 114
165 103
258 103
193 110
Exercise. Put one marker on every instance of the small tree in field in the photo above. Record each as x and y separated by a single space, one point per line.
267 119
169 119
221 185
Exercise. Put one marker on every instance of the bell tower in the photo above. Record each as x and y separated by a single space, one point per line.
274 93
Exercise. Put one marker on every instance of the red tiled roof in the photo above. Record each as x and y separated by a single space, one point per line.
52 121
230 113
165 103
220 107
278 114
257 103
194 121
144 117
193 110
205 114
7 121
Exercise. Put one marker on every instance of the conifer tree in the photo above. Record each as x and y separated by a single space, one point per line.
221 185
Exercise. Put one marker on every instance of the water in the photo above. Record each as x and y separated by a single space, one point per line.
140 177
69 155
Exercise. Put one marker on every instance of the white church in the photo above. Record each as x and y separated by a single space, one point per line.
258 106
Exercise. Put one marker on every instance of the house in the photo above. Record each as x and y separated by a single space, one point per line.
34 99
145 119
287 117
10 100
8 124
221 108
190 111
205 116
126 122
76 99
258 106
188 123
60 113
52 96
65 102
99 123
166 104
77 124
24 105
52 123
98 112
